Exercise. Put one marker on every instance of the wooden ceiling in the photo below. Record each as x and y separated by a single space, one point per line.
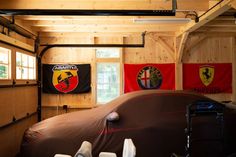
118 24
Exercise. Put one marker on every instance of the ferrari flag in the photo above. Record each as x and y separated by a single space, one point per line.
208 78
66 78
149 76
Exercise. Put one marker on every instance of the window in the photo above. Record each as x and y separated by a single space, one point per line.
108 81
107 53
25 66
108 75
5 63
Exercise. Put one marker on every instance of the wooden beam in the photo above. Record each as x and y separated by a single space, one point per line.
221 23
216 11
25 26
169 49
178 70
15 42
233 4
200 38
216 29
106 28
94 21
224 18
181 47
84 34
218 34
104 4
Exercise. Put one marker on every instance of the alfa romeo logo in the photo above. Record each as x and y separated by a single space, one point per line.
65 78
149 78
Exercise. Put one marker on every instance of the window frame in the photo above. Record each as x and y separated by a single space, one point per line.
109 60
27 67
9 64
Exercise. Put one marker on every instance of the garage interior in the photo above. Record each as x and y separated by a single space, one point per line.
74 32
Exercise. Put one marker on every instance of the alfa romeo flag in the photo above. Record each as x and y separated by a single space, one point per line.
149 76
208 78
66 78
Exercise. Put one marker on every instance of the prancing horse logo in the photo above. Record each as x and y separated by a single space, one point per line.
206 74
65 78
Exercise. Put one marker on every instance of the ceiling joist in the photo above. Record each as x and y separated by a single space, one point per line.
197 5
208 16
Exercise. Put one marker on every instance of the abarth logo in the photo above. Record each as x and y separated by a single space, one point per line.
65 78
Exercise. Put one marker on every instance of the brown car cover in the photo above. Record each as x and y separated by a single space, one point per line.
155 121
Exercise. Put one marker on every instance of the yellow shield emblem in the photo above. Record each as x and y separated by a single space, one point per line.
65 78
206 74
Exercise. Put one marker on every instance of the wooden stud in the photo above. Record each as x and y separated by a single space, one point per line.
234 70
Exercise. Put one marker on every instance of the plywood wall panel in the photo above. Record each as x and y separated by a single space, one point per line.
7 137
11 137
6 106
25 101
17 102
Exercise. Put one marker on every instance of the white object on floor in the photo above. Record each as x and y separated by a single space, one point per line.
107 154
85 150
129 149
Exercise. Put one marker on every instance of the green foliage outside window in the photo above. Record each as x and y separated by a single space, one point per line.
3 72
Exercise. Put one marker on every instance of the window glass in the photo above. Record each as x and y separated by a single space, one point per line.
107 53
5 63
31 74
24 72
4 57
18 59
24 60
3 71
18 72
31 61
26 67
108 82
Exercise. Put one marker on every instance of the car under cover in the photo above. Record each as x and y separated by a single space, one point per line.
155 121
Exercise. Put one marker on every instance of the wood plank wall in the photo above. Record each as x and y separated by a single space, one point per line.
17 103
158 49
201 48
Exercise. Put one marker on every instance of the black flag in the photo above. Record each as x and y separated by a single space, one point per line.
66 78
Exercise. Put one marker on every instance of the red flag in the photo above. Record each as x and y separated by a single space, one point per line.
208 78
149 76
